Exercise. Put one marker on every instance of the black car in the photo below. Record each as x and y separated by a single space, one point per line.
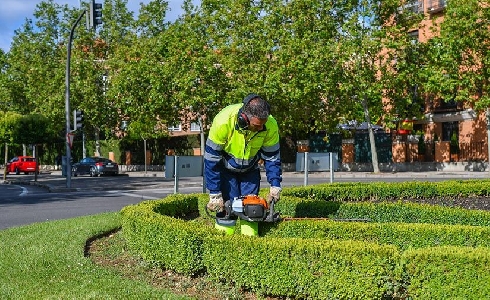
95 166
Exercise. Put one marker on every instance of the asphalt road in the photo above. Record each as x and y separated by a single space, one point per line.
26 204
24 201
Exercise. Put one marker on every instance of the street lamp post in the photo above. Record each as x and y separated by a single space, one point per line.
67 103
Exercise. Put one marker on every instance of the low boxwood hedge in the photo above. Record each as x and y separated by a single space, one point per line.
393 190
400 253
402 235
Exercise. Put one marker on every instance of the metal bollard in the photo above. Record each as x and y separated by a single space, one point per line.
306 169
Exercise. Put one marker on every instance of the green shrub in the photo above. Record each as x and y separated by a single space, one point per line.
407 250
402 235
447 272
382 191
164 240
299 268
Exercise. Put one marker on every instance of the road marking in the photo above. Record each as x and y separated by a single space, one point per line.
143 197
24 191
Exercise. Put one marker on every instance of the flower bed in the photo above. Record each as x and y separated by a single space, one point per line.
407 249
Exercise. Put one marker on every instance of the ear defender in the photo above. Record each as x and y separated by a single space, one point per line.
242 119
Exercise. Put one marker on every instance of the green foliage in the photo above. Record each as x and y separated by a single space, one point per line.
401 234
378 191
301 268
151 230
457 66
33 129
384 257
9 123
218 52
448 271
201 62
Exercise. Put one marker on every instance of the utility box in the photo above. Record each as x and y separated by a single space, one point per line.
187 166
317 162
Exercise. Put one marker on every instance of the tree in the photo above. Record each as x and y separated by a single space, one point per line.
92 71
33 129
34 64
302 70
4 83
30 129
458 65
277 49
324 61
139 85
365 51
151 18
8 125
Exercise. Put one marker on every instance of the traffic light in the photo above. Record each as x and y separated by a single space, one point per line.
77 119
95 15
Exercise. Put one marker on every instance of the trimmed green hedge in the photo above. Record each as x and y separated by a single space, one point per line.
317 269
400 253
447 272
402 235
393 191
154 231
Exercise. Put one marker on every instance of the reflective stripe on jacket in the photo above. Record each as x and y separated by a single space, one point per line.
240 150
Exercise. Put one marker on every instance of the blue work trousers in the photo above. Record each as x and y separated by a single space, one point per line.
235 184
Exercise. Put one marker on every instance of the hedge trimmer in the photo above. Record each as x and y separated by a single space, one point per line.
250 208
253 208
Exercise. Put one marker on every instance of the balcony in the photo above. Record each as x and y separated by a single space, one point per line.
435 6
415 6
441 106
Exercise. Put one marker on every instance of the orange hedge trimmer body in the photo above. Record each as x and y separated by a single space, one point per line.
250 208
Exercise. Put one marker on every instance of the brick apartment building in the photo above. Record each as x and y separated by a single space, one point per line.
449 119
452 131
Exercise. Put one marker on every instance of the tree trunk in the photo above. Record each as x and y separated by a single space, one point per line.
97 142
374 154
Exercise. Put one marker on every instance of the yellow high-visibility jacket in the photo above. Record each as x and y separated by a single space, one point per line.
240 150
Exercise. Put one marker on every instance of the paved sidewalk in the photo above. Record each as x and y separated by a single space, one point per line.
55 182
430 174
160 175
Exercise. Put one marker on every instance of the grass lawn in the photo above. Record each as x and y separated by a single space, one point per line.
46 261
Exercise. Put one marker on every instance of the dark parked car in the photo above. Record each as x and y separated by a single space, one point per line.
18 164
95 166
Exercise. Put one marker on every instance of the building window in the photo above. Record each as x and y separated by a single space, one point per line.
414 36
416 6
175 127
449 104
418 128
436 5
195 127
448 129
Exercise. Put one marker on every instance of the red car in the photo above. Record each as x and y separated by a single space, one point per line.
18 164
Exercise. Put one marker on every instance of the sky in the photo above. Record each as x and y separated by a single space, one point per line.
13 14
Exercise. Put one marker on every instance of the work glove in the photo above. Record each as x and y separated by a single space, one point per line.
216 202
274 194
